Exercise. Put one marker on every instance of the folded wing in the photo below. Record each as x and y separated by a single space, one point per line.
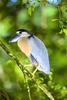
39 52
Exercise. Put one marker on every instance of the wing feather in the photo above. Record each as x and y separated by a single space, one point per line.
39 51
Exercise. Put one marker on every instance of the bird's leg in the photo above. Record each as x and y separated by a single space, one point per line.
35 70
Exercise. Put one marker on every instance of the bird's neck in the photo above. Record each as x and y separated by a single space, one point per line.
24 45
30 36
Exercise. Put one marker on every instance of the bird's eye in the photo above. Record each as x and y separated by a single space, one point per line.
20 32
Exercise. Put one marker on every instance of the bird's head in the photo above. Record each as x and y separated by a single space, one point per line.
20 33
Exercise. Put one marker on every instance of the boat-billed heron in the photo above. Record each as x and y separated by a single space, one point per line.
33 48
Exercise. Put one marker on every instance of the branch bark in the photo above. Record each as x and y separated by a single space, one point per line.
21 66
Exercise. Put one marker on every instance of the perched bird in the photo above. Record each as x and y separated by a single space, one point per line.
33 48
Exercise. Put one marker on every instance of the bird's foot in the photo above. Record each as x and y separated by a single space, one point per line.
35 71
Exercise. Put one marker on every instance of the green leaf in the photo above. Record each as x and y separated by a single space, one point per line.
65 31
31 9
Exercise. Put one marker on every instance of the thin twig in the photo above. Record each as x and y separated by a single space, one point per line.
4 95
27 85
21 66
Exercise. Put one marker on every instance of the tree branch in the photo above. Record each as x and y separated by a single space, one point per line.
21 66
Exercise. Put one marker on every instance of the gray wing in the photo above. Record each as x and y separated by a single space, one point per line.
39 51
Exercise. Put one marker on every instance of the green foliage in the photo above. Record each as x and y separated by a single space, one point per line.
31 9
49 23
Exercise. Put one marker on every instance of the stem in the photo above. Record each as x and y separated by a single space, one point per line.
4 95
27 85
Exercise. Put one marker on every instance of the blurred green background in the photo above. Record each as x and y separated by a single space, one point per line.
47 21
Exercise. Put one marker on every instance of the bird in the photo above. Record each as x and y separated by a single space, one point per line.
33 48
